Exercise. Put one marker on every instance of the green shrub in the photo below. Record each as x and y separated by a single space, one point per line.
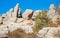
42 21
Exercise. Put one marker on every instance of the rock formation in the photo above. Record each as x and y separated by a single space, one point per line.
56 20
9 13
36 13
49 32
17 11
52 12
12 22
27 14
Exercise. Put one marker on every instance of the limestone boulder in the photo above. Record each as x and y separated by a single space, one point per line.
52 33
8 20
13 20
36 13
19 20
43 32
29 23
16 11
27 14
13 26
4 18
49 32
3 31
56 20
52 12
28 26
7 16
9 13
16 8
27 29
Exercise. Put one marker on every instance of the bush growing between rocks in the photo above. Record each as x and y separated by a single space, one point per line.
58 11
42 21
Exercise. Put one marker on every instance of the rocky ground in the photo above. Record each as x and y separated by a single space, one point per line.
13 24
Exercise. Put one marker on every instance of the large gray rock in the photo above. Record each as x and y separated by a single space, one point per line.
27 14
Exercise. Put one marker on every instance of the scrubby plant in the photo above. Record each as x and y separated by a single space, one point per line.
19 33
42 21
58 11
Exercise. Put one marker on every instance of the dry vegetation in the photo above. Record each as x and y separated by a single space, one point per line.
19 33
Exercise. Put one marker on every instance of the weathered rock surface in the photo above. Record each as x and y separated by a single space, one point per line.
17 11
10 27
19 20
36 13
9 13
52 12
49 32
14 26
3 31
27 14
11 21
